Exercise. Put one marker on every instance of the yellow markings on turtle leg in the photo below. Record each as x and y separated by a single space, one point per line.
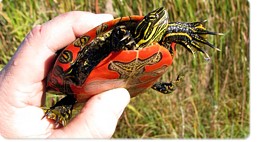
65 57
164 87
102 28
178 34
183 42
81 42
187 41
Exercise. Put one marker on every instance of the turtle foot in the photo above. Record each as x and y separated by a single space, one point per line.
60 115
169 87
61 112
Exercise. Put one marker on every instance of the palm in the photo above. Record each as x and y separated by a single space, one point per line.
22 84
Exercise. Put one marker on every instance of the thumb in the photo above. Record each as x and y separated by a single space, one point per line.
98 118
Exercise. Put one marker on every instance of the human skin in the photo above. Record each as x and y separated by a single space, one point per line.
23 79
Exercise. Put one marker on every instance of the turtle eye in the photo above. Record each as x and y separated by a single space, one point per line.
147 18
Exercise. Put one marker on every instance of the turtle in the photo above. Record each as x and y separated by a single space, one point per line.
132 52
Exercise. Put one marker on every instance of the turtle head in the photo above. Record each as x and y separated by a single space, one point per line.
152 27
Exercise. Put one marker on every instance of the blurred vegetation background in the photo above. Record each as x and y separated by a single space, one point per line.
214 99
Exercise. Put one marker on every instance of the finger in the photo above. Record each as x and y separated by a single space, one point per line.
31 62
26 123
98 118
63 29
38 48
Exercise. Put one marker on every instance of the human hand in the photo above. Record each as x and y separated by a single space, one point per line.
22 85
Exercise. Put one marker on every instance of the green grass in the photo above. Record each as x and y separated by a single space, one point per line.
214 100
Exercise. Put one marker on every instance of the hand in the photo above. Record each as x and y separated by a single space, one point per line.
22 85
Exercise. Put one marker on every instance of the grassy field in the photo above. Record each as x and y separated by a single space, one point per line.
214 99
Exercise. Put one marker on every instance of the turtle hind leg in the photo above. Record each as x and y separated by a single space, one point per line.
169 87
61 112
164 87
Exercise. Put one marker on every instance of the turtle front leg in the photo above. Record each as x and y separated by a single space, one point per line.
122 39
61 112
189 35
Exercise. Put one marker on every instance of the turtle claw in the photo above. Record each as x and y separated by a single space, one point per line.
61 112
190 35
60 115
169 87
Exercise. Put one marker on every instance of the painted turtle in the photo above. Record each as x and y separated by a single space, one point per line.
130 52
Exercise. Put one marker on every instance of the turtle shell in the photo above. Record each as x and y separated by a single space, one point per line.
130 52
135 70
